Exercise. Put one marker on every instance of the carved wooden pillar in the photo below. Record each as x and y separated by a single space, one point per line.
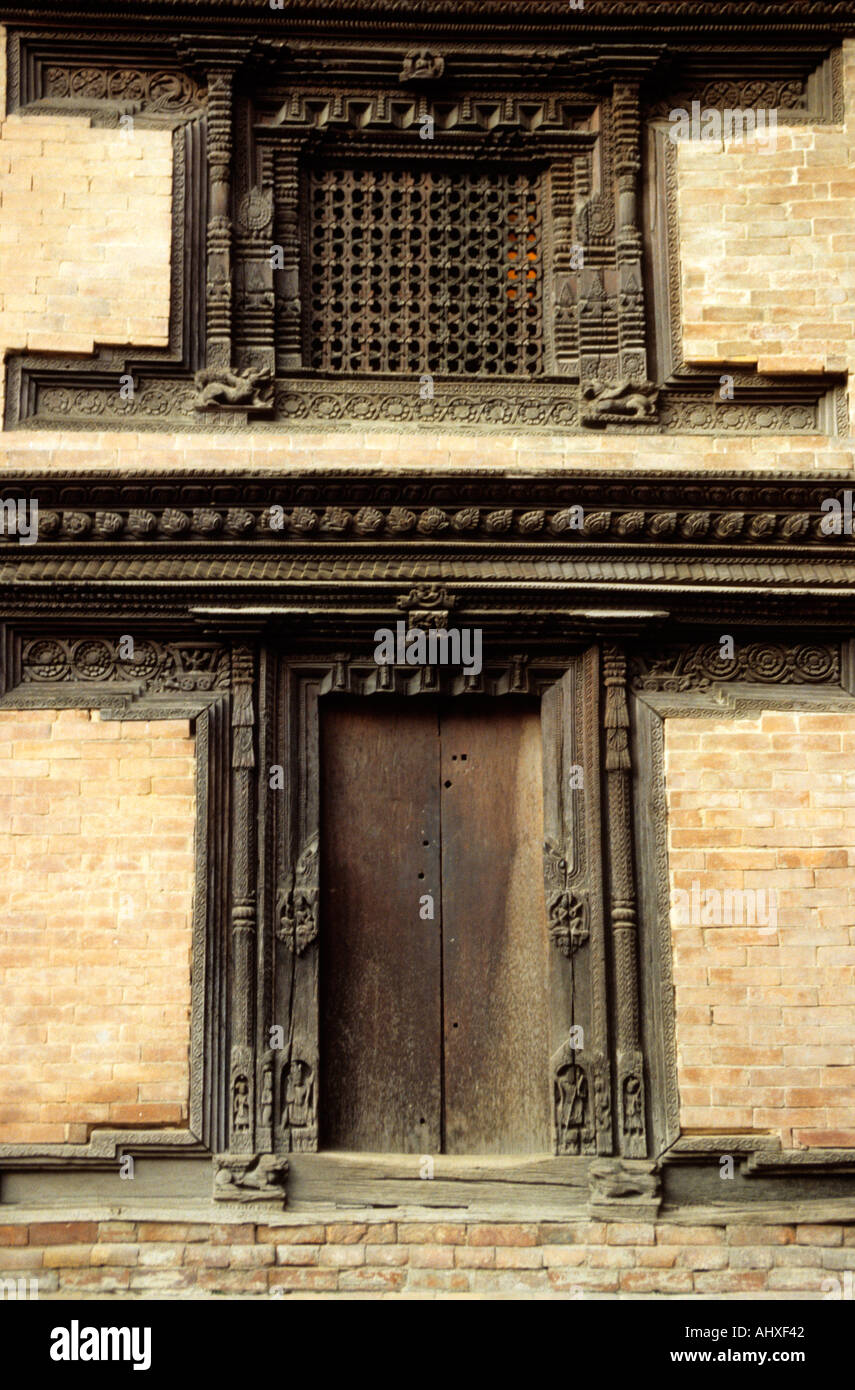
243 905
253 318
624 910
218 289
287 276
631 325
572 822
566 268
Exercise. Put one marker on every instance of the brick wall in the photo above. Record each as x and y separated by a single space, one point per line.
291 1255
96 878
85 230
765 1015
768 245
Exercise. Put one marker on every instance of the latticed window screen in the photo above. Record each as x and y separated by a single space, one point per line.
426 271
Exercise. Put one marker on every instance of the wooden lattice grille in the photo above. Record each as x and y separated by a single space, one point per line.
426 272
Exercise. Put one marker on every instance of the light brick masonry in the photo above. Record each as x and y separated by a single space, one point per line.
765 1015
96 882
768 247
296 1256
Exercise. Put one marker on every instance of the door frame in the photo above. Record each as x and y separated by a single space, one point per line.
594 972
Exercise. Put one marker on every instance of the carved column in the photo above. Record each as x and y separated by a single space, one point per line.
624 909
218 288
566 268
286 277
631 325
243 905
253 318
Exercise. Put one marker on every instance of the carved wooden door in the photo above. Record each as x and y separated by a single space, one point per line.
434 968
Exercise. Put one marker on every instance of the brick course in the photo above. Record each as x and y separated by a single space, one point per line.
563 1260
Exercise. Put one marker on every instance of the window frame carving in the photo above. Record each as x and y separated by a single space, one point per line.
244 371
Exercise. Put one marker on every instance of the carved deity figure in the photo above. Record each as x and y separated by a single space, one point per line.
420 63
571 1104
299 1095
240 1108
567 926
632 1117
267 1096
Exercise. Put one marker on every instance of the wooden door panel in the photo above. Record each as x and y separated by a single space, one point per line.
495 941
380 961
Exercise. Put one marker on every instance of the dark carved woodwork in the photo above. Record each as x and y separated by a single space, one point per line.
213 580
573 853
630 1082
391 249
621 1190
250 1178
243 904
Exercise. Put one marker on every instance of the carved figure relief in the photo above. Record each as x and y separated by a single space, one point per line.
251 388
267 1093
619 403
240 1104
298 1105
633 1102
567 909
420 64
250 1178
571 1107
621 1190
298 911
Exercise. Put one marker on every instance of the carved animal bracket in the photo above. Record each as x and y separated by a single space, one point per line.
623 1191
250 1178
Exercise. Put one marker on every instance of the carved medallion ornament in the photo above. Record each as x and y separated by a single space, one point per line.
765 663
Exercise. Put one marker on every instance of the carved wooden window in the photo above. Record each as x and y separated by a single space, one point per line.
426 270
